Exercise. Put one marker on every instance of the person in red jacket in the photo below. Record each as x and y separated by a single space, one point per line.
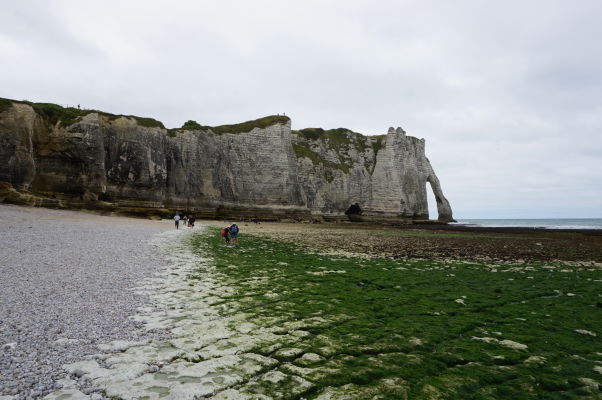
226 235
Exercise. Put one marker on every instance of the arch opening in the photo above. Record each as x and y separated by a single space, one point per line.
444 212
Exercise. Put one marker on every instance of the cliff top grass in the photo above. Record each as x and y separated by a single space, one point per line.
242 127
52 112
343 138
68 115
5 105
336 135
250 125
319 133
142 121
337 138
193 125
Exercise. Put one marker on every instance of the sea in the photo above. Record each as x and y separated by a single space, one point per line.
559 223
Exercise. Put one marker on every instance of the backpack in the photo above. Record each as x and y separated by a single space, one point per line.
234 229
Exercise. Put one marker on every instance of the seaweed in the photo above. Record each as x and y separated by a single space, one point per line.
383 326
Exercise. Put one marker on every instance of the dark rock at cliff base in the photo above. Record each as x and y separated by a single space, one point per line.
60 157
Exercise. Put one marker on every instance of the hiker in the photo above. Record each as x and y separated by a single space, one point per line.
234 233
191 220
176 219
185 220
226 235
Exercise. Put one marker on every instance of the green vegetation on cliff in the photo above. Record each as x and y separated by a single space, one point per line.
5 105
54 113
193 125
338 135
378 143
142 121
341 141
248 126
243 127
189 125
302 150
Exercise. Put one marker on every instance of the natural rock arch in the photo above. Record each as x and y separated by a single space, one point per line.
443 208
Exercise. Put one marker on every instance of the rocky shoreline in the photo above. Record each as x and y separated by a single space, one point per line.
438 241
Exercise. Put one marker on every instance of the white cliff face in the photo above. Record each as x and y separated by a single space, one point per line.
253 168
388 195
267 172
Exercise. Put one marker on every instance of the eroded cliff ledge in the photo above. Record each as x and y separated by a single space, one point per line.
64 157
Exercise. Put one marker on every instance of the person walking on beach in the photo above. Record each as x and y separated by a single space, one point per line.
176 219
234 233
226 235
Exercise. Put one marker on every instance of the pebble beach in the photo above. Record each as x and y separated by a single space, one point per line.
65 287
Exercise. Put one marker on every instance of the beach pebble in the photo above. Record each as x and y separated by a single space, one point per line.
72 272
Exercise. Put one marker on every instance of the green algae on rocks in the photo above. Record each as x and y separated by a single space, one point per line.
410 329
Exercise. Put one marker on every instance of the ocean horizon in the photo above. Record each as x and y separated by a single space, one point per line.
546 223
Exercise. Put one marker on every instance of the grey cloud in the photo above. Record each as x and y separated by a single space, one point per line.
507 95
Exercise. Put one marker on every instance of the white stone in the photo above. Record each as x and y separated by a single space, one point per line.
119 345
513 345
68 394
590 383
535 360
67 383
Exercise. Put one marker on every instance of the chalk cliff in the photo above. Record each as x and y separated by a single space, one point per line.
55 156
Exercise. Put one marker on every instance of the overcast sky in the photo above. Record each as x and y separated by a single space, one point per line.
508 95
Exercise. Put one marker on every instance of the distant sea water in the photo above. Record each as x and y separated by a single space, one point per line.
560 223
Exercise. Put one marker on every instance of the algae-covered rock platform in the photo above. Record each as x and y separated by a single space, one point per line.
271 319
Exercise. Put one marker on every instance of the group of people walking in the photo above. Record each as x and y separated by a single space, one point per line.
186 220
229 233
